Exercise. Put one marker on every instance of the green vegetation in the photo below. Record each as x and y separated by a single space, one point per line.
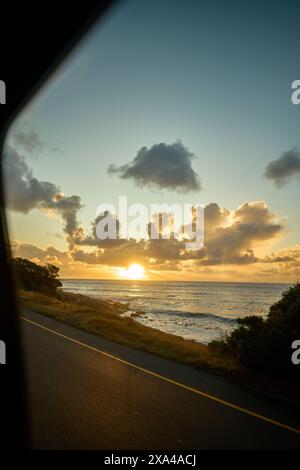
264 345
39 292
257 353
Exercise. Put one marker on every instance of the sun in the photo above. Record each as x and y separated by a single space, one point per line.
134 271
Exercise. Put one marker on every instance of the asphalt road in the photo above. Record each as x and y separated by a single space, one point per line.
89 393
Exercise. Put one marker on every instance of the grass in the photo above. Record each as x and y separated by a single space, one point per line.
104 319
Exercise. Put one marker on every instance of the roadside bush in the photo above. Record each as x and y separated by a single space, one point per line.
264 345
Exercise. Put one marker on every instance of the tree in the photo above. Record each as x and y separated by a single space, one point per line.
34 277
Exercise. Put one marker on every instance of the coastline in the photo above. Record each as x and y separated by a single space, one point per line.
105 319
197 311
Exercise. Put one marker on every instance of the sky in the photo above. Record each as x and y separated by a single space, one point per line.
202 87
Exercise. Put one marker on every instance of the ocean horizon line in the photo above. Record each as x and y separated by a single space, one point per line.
174 281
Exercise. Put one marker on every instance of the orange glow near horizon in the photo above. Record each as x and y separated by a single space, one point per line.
134 271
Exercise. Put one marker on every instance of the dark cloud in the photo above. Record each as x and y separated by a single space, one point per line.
168 249
91 239
87 257
162 166
47 255
131 251
284 263
24 193
282 170
55 234
166 265
67 208
278 259
28 139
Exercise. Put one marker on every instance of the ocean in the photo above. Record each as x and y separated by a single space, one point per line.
201 311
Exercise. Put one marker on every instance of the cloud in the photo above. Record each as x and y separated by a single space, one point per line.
24 192
162 166
215 216
54 234
131 251
39 255
282 170
231 238
24 137
86 257
284 264
92 239
166 265
274 258
67 208
169 249
27 138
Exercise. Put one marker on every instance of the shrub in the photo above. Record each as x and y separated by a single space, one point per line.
264 345
37 278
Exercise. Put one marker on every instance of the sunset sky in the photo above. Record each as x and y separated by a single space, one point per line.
166 102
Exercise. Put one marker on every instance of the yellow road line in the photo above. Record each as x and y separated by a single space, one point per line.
166 379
